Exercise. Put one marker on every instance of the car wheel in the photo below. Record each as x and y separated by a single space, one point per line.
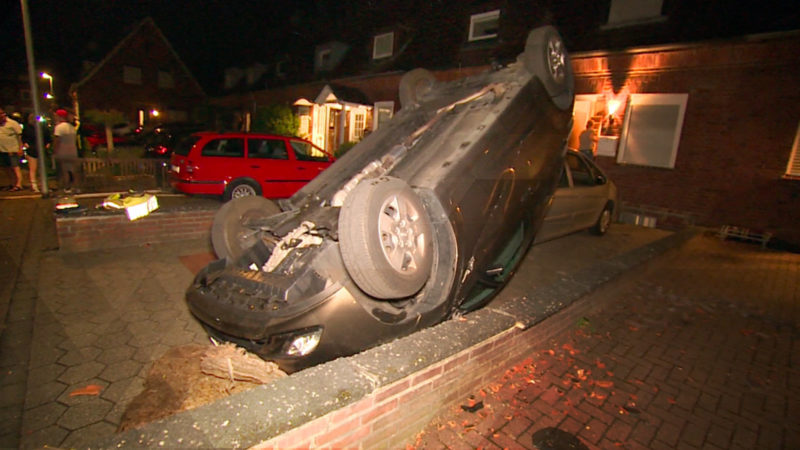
230 233
241 188
385 237
546 57
413 85
603 222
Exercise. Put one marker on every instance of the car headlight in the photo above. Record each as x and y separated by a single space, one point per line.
302 342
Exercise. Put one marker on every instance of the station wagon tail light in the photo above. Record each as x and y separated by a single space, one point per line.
302 342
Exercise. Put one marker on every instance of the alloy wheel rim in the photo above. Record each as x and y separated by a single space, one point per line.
402 234
242 191
556 59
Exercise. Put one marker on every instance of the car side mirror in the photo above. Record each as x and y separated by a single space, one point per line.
599 179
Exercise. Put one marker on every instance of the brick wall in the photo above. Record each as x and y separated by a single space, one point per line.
115 230
392 416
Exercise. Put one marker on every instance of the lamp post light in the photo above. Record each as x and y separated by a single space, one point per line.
49 78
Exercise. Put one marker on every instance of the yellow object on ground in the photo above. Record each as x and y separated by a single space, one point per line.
135 206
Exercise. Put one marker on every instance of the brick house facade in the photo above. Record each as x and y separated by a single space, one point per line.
737 134
739 128
142 74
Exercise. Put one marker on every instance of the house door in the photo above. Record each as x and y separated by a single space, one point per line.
332 140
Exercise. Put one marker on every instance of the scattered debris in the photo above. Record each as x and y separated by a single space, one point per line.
175 383
228 361
551 438
92 389
472 407
136 205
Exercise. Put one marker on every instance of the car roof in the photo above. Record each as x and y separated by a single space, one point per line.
246 134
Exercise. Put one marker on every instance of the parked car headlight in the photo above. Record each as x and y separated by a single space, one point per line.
302 342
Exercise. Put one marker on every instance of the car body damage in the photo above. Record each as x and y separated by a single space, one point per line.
426 217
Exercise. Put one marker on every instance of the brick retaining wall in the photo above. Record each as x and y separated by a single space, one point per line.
95 232
392 416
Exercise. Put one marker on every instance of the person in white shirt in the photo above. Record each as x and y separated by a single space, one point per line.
65 151
11 148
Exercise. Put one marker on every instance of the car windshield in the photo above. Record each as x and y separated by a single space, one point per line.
185 145
304 151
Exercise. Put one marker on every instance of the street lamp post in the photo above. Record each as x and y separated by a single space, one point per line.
26 25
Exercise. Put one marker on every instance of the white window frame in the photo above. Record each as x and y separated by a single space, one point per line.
131 75
624 155
382 38
793 166
321 55
476 19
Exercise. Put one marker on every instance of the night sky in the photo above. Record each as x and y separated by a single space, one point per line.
211 35
207 35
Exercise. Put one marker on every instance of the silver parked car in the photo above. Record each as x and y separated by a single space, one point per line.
585 198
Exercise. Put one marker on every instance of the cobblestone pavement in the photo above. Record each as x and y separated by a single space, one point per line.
98 319
699 349
110 315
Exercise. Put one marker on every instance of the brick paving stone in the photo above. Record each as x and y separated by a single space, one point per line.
88 435
49 437
692 349
120 371
88 412
41 417
81 372
39 394
76 356
116 354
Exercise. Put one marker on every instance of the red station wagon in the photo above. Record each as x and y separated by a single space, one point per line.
241 164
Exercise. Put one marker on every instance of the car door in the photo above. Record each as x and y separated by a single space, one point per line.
560 215
309 161
590 192
220 160
268 162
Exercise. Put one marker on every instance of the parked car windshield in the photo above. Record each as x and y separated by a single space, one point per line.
185 145
304 151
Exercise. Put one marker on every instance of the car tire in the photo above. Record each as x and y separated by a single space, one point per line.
546 57
241 188
386 238
414 85
604 221
230 235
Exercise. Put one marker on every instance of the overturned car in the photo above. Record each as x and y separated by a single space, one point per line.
425 218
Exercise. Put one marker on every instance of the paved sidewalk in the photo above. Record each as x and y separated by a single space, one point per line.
699 349
100 318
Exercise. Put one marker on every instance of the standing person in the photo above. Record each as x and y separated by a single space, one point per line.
11 148
65 150
588 141
33 152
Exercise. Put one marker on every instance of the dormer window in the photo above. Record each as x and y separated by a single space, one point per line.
324 58
484 25
383 45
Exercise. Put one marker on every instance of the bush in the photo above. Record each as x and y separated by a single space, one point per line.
276 119
344 148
